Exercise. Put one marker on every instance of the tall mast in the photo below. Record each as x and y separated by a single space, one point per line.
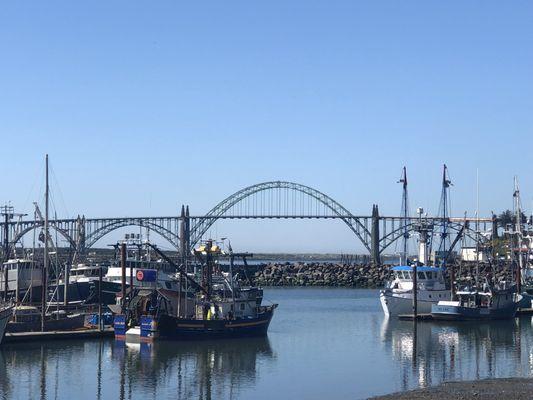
45 265
404 216
518 228
444 211
477 228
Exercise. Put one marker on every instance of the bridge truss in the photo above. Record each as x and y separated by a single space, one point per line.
267 200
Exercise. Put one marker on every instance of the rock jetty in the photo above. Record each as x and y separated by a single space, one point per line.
355 275
322 274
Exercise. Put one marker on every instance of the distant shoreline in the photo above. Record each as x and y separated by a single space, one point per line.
489 389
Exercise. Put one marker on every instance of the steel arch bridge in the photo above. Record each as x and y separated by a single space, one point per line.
280 202
267 200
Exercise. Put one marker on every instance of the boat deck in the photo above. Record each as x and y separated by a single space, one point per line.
88 333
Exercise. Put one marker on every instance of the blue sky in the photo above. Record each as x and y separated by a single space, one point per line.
144 106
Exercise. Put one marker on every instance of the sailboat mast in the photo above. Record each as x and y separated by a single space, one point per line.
518 230
45 264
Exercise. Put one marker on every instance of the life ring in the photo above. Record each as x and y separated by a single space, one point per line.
140 275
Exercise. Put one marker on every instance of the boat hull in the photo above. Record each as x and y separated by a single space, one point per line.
397 304
460 313
5 316
109 292
27 296
77 291
173 328
50 324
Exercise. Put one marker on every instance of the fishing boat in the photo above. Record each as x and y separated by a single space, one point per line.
486 303
24 280
82 279
215 307
28 319
397 297
139 262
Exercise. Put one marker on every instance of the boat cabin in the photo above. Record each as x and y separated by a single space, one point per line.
427 278
84 273
21 274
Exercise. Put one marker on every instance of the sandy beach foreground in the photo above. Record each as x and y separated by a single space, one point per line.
511 388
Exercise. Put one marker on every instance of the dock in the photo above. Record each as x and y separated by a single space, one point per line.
419 317
89 333
428 317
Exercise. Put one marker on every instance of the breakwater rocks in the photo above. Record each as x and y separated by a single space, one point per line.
360 275
322 274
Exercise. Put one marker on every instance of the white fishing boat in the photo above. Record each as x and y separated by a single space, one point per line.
397 297
24 280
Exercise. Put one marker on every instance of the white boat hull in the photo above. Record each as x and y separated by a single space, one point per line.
395 304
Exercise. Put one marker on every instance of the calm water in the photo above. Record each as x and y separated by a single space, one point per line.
322 344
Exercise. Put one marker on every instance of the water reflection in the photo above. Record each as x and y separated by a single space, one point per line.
202 370
431 352
183 370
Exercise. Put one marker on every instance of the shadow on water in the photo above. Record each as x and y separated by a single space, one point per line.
201 370
431 352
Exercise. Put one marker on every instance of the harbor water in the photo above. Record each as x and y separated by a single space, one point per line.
322 343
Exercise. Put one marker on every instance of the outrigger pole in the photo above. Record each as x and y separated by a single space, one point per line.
179 268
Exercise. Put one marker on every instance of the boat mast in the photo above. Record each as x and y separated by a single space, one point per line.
404 216
477 228
518 231
45 265
231 259
444 211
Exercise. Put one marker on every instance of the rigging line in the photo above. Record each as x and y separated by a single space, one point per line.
31 191
58 187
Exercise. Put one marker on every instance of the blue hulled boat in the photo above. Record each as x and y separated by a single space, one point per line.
485 304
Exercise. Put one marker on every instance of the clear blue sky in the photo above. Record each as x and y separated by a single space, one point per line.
144 106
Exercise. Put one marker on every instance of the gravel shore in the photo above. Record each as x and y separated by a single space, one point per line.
505 388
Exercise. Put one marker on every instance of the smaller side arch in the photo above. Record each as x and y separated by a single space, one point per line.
38 225
99 233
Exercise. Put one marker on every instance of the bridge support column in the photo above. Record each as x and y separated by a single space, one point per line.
374 236
80 235
185 234
494 227
182 235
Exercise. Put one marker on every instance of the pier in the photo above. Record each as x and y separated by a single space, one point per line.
89 333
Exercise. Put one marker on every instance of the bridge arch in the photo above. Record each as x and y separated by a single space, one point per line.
410 227
336 209
94 236
40 224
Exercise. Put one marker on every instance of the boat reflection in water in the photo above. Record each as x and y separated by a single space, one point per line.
432 352
115 369
199 369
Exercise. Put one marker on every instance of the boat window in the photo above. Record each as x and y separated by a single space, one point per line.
421 275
